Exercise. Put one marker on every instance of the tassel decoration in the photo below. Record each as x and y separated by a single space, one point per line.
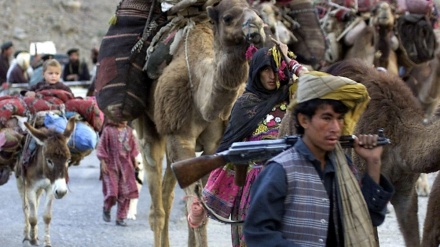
250 52
113 20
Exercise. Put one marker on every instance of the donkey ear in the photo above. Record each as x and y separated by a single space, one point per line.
39 135
70 127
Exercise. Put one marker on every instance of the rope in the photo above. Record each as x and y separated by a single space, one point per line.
187 29
147 30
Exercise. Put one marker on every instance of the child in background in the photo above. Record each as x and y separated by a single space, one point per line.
52 76
117 150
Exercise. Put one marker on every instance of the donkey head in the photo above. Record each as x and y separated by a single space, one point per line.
54 155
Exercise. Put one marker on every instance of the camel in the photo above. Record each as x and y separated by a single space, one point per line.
383 20
295 24
424 81
374 43
47 172
271 16
431 228
413 148
191 101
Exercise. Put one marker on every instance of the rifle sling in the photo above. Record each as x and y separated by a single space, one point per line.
212 213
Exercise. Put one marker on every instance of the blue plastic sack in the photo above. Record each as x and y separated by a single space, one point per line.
83 138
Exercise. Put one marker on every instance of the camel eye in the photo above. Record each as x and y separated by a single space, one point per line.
227 19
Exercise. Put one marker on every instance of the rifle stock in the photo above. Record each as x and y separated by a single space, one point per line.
190 170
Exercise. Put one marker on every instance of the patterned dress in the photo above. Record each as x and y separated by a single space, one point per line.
230 200
118 149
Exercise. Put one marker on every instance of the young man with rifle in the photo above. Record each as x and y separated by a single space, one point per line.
309 195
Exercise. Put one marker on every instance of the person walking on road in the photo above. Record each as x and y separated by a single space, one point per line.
117 150
310 194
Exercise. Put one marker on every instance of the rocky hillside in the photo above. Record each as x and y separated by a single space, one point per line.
68 23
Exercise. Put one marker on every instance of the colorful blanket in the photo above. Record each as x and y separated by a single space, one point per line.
50 100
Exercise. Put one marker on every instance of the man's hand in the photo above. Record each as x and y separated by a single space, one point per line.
366 147
303 71
283 48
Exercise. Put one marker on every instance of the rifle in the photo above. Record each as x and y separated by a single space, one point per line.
241 154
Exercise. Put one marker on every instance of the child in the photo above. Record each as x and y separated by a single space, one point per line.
117 150
52 75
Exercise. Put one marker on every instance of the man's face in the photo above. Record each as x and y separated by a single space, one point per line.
267 78
322 131
74 56
8 52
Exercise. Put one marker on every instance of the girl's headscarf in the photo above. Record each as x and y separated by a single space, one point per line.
256 102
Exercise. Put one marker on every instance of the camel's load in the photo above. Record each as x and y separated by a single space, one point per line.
14 110
140 36
413 37
417 39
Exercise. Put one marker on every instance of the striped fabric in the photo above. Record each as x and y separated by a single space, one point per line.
307 205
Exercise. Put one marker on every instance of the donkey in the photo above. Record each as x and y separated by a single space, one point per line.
47 171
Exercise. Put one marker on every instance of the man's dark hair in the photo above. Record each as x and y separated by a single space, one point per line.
308 108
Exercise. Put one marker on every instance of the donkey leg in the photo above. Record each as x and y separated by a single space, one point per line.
25 207
47 216
33 216
405 205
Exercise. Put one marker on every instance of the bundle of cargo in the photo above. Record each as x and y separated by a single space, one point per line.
49 109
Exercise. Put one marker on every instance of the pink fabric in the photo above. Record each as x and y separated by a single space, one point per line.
226 198
118 149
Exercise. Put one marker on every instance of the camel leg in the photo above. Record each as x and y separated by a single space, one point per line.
405 205
25 207
152 147
168 184
431 228
198 236
153 157
180 148
47 216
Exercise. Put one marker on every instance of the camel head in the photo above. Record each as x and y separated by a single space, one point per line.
271 17
383 15
236 23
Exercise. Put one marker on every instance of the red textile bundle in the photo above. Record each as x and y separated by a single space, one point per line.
47 100
10 106
87 109
35 105
62 95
